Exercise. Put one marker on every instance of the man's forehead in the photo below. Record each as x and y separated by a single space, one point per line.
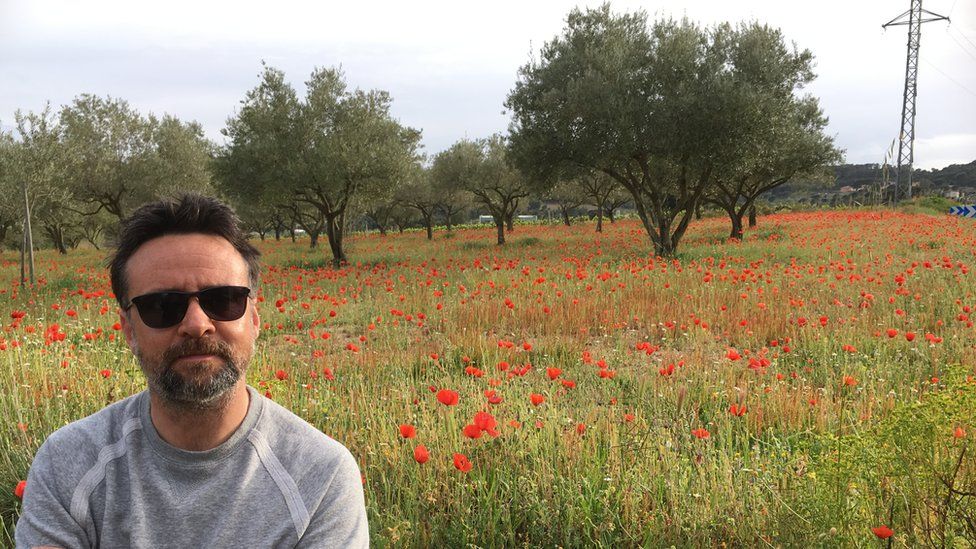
175 258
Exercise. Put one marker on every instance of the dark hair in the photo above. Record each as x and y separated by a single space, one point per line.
186 214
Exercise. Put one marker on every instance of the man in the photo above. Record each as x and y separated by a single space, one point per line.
199 459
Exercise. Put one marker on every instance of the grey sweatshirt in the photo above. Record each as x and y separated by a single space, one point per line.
109 481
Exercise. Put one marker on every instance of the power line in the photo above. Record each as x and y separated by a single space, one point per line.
951 79
951 28
963 48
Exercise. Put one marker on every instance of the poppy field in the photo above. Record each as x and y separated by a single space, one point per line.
811 385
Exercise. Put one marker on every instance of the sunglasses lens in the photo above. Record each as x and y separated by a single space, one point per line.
225 302
167 309
163 309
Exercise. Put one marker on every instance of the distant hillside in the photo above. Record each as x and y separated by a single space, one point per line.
848 180
955 175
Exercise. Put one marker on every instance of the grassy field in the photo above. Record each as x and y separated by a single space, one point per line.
812 385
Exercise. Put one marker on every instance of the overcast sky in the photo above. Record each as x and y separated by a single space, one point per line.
449 65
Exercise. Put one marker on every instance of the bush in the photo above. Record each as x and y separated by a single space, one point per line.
914 472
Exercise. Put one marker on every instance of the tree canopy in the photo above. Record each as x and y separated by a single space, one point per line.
660 108
323 151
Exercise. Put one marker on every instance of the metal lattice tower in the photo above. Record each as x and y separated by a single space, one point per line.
906 138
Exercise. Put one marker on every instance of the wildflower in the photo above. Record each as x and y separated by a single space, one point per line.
701 433
883 532
19 489
486 422
447 397
420 454
461 463
737 411
472 431
537 399
408 431
733 355
281 375
959 432
105 373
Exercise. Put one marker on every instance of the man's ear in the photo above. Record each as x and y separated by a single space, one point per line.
255 319
126 324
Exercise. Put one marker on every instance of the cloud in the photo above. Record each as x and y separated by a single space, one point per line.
942 150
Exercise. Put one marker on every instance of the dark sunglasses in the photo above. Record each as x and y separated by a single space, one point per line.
167 309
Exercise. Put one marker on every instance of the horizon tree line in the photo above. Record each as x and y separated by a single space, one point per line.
666 116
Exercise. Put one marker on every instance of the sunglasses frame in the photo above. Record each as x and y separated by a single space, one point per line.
182 299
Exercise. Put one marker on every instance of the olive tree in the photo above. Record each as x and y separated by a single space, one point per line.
659 108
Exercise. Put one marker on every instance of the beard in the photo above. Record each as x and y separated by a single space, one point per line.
194 386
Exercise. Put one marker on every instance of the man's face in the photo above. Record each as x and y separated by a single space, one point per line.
195 363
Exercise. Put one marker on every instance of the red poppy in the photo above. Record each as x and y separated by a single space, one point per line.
883 531
485 421
733 355
420 454
19 489
281 375
106 373
408 431
737 411
959 432
553 373
537 399
472 431
461 463
447 397
701 433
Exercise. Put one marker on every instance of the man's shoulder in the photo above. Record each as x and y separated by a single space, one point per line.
105 427
74 449
296 441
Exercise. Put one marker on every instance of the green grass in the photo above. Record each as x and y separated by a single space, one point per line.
846 428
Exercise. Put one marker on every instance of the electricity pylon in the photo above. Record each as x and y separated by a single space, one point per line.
915 18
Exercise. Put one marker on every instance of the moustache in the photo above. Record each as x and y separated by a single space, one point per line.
197 347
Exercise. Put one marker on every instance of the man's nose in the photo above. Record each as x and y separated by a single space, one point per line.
196 323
